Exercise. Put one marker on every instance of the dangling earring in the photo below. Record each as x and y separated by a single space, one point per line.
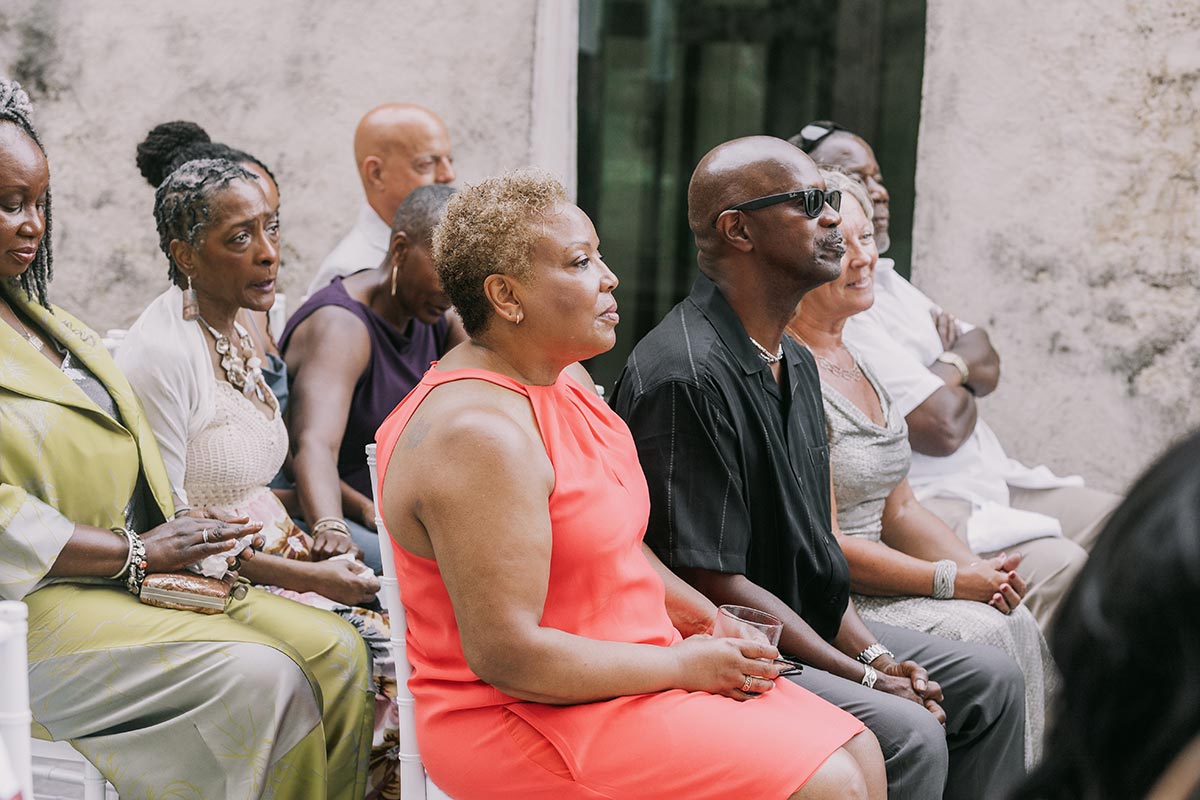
191 303
395 272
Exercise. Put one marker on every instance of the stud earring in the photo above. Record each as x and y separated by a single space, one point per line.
191 303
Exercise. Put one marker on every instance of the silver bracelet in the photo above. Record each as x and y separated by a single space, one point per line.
873 652
128 554
869 676
944 573
180 511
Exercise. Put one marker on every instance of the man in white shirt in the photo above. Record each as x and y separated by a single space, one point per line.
397 147
935 367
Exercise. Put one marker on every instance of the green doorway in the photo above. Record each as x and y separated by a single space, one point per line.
663 81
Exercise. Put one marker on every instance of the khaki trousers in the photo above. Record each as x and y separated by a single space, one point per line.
1049 565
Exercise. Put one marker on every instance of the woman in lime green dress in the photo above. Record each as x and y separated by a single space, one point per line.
165 703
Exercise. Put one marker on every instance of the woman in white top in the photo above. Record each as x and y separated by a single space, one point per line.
198 374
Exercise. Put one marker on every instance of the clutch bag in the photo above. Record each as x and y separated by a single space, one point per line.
186 591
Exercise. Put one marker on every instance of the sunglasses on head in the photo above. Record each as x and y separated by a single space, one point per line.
814 133
814 202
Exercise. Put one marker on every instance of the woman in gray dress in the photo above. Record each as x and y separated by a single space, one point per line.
906 567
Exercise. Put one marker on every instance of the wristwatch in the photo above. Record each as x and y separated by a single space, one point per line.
869 676
873 652
956 361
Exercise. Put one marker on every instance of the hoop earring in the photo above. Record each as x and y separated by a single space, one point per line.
191 303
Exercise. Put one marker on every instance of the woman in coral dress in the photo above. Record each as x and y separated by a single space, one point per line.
545 639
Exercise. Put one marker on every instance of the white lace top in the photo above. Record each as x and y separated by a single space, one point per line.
233 458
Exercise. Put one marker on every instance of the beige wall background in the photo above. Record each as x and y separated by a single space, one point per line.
286 81
1058 205
1057 183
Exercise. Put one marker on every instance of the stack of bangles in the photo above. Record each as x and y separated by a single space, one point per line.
335 524
134 570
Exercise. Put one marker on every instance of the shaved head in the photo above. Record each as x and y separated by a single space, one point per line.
838 146
741 170
806 248
398 147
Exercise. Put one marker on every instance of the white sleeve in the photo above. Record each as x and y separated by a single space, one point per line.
163 393
32 534
905 378
167 364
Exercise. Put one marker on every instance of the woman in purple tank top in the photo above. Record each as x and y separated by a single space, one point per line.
353 351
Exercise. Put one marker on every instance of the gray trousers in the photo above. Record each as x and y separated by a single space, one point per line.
978 755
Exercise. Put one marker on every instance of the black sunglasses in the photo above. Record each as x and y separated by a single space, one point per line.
814 202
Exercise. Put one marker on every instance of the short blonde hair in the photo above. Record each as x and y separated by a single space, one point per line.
848 184
487 230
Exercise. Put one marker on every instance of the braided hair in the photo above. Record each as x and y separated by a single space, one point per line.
182 202
172 144
16 108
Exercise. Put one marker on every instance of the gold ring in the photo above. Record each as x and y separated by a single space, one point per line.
749 682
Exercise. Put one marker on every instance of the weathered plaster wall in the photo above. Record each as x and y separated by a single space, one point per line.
286 81
1058 205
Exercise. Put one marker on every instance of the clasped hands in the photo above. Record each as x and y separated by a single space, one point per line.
909 680
993 581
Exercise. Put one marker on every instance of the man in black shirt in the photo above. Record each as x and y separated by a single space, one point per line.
730 429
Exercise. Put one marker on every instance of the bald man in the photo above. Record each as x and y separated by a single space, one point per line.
727 416
936 368
397 147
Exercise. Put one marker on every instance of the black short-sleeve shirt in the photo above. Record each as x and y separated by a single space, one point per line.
738 465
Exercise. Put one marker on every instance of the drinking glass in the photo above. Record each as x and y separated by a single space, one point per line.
739 622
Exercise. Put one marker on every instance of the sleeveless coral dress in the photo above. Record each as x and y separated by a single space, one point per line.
477 742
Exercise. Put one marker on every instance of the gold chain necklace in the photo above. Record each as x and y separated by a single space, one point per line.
848 374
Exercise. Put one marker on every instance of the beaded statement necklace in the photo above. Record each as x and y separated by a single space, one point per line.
847 374
243 369
765 354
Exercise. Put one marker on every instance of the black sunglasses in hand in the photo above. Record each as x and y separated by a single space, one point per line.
790 666
814 202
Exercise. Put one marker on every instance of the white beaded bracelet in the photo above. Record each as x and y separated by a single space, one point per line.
944 573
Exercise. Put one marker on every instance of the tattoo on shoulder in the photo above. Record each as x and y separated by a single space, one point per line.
414 433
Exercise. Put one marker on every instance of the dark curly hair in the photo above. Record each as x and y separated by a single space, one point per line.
16 108
172 144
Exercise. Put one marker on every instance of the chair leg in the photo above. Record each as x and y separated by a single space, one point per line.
94 785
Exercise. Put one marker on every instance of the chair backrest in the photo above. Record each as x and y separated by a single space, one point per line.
412 771
15 717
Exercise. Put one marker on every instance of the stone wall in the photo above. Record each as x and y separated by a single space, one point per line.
286 81
1057 204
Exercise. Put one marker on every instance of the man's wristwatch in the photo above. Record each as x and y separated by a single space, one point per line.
873 652
869 676
956 361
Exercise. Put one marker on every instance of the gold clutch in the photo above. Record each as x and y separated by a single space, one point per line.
186 591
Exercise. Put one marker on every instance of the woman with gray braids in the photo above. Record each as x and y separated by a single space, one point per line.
172 144
162 701
219 427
